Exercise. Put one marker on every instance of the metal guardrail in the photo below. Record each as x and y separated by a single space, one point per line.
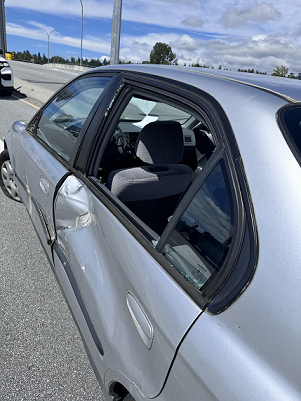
59 65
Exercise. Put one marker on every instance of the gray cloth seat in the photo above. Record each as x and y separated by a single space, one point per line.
153 191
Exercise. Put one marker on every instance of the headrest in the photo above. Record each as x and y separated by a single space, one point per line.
160 142
203 143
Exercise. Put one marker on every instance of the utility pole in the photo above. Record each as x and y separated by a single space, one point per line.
2 28
81 36
116 27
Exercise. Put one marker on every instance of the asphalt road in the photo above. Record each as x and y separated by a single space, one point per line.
41 353
47 78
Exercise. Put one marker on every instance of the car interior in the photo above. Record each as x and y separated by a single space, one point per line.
155 152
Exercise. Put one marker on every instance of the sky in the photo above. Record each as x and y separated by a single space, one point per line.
234 34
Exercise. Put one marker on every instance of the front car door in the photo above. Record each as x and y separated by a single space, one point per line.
44 150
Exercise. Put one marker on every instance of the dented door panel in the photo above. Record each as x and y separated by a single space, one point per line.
123 289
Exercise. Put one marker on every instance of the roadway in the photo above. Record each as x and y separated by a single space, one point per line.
37 81
42 355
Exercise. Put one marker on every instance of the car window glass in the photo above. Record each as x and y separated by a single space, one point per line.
292 121
151 158
62 120
143 110
200 241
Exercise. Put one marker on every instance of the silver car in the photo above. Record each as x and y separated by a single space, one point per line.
166 200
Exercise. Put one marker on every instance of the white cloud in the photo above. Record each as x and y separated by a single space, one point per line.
263 52
93 43
193 22
259 34
193 14
256 12
185 42
184 2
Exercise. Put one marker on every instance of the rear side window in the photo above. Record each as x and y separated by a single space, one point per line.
291 118
62 120
200 242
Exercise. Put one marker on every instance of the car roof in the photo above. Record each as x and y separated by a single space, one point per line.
199 77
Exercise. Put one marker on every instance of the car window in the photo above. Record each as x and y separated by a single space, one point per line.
292 121
145 110
151 157
200 241
62 120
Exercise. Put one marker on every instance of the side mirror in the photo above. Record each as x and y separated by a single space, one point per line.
1 51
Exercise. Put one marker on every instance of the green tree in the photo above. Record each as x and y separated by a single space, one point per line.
162 54
281 71
291 75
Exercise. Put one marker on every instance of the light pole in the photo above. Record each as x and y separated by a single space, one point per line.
48 34
81 36
116 27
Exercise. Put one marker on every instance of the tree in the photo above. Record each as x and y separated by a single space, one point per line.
291 75
281 71
162 54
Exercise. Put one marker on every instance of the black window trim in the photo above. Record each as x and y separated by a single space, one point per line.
239 219
104 131
218 129
287 136
247 259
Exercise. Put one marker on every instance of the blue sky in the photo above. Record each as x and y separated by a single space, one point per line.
234 34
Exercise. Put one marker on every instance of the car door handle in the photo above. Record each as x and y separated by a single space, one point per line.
141 321
44 185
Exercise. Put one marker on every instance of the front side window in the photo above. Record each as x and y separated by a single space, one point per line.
200 242
62 120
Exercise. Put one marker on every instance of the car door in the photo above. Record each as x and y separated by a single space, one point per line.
136 314
138 301
44 151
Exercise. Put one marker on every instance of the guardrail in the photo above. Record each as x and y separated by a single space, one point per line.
74 67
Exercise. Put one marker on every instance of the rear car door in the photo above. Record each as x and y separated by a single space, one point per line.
140 292
43 152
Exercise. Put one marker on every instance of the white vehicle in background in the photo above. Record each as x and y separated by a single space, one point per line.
6 75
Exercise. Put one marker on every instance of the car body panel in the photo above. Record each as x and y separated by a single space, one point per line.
127 294
254 344
213 80
38 173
